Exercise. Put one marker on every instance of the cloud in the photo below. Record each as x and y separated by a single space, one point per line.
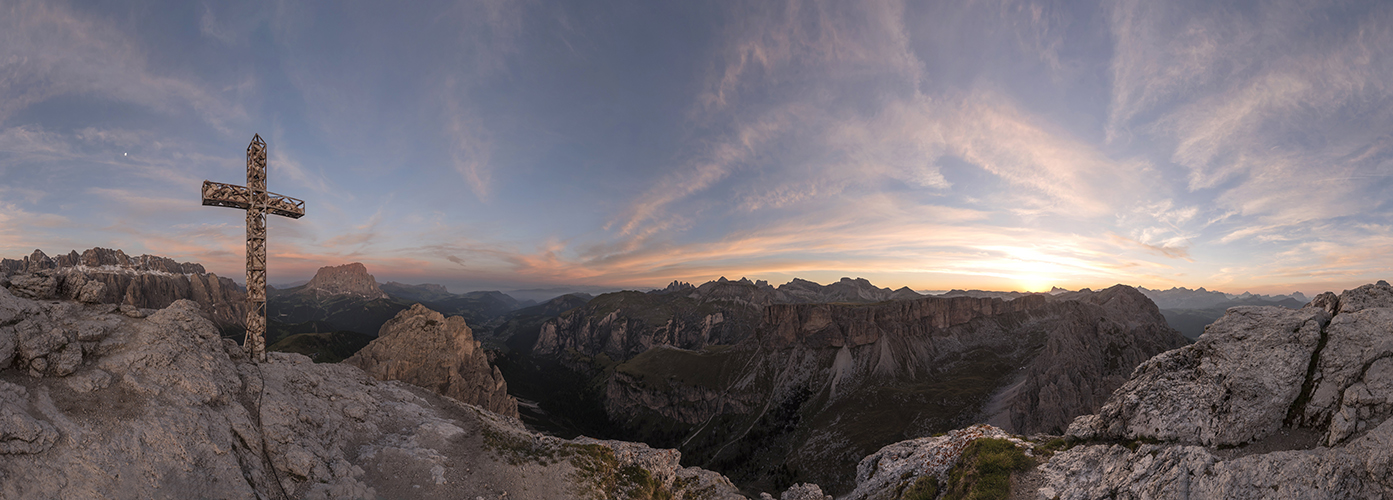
56 51
1174 252
209 26
471 150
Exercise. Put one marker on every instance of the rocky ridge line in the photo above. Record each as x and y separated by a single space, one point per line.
104 276
623 324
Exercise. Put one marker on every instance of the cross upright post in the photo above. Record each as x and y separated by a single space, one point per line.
257 201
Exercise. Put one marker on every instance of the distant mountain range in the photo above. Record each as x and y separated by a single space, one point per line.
106 276
1185 298
1190 311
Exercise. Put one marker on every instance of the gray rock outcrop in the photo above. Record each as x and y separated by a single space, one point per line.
890 468
1269 403
161 407
1235 385
424 348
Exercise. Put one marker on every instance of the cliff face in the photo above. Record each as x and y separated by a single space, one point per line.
103 276
161 407
1269 403
820 385
821 326
349 279
624 324
621 325
424 348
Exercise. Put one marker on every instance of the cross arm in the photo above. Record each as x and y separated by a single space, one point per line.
218 194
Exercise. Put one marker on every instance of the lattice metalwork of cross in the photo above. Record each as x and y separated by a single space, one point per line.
257 202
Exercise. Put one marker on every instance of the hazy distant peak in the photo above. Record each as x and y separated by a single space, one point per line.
347 279
675 286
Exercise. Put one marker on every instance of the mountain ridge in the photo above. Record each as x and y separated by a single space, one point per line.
106 276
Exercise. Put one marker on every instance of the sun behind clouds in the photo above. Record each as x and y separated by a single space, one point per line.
1035 282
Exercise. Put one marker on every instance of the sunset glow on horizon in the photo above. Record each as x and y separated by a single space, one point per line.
1006 145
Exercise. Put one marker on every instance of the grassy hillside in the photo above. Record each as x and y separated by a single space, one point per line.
331 347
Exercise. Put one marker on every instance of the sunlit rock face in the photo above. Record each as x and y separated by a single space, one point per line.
1269 403
817 386
348 279
424 348
105 276
98 401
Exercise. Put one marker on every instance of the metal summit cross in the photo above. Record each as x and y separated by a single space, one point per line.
257 202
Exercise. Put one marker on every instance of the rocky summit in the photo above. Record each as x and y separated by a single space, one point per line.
424 348
348 279
98 401
1269 403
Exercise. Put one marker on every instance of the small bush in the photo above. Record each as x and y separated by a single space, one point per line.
598 468
984 470
1049 448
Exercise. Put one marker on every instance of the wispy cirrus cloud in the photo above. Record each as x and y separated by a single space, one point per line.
55 50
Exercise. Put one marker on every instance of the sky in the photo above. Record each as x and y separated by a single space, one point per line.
1006 145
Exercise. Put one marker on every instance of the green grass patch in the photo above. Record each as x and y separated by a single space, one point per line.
1049 448
517 449
599 471
664 367
984 470
923 488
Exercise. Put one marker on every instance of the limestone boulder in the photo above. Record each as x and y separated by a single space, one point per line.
1352 384
1358 470
1366 297
1237 383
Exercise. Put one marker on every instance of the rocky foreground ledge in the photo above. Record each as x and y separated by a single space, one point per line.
1268 403
101 401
